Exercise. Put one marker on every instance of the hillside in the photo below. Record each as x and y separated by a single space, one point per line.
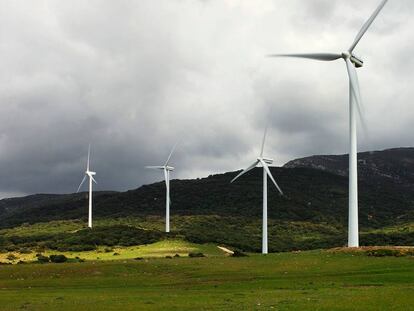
392 165
313 212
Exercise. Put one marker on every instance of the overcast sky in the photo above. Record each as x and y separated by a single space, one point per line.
133 77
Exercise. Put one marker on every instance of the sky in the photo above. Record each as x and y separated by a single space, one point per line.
132 78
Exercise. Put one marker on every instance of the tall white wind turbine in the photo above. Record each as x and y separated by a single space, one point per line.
351 62
167 169
90 174
266 172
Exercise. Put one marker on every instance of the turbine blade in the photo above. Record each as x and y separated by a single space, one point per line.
270 175
155 167
263 141
367 25
355 92
80 185
93 179
89 155
169 156
315 56
246 170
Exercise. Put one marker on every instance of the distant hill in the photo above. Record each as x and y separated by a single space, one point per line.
316 192
391 166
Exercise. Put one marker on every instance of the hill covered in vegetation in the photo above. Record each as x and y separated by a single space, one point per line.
312 214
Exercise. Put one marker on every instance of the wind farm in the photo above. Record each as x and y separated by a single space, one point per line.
182 227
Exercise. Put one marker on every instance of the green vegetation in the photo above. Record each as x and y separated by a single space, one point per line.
156 250
238 232
81 240
311 215
287 281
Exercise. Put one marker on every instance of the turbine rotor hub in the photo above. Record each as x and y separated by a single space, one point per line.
267 161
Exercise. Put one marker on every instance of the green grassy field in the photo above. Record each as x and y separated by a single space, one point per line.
155 250
315 280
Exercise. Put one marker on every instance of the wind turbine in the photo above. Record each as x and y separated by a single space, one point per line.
266 172
167 169
351 62
90 175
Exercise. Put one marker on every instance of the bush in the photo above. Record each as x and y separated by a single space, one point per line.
176 255
238 253
11 257
58 258
410 253
25 250
12 248
42 259
195 255
384 253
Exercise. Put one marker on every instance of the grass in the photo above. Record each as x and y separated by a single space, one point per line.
315 280
155 250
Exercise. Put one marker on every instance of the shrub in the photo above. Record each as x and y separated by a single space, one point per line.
11 257
12 248
42 259
25 250
176 255
238 253
410 253
58 258
116 254
384 253
195 255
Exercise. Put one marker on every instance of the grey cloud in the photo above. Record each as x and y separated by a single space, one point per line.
132 78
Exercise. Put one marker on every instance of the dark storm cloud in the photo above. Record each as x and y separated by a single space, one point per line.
133 78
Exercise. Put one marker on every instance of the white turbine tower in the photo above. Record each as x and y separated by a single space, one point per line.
266 172
167 169
352 62
90 175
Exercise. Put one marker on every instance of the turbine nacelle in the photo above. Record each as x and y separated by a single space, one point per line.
169 168
358 62
90 173
267 161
